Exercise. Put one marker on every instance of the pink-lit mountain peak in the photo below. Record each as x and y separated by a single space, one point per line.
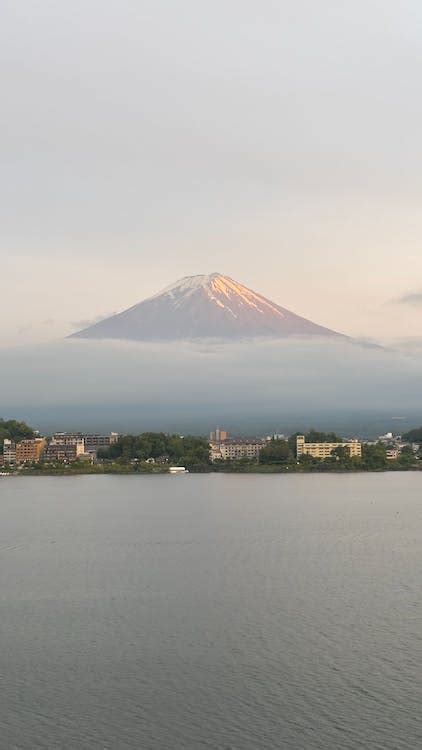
204 306
219 289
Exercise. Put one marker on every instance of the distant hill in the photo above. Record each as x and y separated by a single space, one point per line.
413 436
203 307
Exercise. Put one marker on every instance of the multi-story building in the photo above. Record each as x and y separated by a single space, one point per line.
65 438
95 442
89 442
325 450
29 450
235 449
63 452
387 438
9 451
218 436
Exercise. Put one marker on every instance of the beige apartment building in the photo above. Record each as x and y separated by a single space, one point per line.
324 450
234 449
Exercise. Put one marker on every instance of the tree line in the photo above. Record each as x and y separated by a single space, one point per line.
191 452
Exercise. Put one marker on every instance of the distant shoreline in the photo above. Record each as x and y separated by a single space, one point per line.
255 471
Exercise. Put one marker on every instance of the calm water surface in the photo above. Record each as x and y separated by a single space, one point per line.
227 612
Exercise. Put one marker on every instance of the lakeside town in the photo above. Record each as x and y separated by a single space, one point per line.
24 451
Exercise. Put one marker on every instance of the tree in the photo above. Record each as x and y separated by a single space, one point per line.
406 457
413 436
340 452
276 452
187 451
374 457
13 430
313 436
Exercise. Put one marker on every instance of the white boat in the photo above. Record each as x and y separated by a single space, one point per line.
178 470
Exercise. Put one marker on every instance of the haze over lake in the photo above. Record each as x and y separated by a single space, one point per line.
212 611
249 386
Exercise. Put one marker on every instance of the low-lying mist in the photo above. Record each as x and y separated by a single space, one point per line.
193 386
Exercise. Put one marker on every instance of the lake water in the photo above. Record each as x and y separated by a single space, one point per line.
214 611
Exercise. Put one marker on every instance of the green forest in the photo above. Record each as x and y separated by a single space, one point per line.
191 452
413 436
13 430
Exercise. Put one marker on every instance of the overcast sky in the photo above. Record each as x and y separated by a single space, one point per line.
278 142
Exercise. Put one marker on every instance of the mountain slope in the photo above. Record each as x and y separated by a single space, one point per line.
198 307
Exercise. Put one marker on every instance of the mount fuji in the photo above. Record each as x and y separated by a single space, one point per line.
204 307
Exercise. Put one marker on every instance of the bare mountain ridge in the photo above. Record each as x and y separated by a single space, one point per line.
200 307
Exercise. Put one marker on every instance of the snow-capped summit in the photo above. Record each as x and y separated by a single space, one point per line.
204 306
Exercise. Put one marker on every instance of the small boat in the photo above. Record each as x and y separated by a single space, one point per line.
178 470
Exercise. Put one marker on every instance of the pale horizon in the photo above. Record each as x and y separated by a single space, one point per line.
142 144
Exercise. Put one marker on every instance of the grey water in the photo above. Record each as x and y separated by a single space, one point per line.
211 611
